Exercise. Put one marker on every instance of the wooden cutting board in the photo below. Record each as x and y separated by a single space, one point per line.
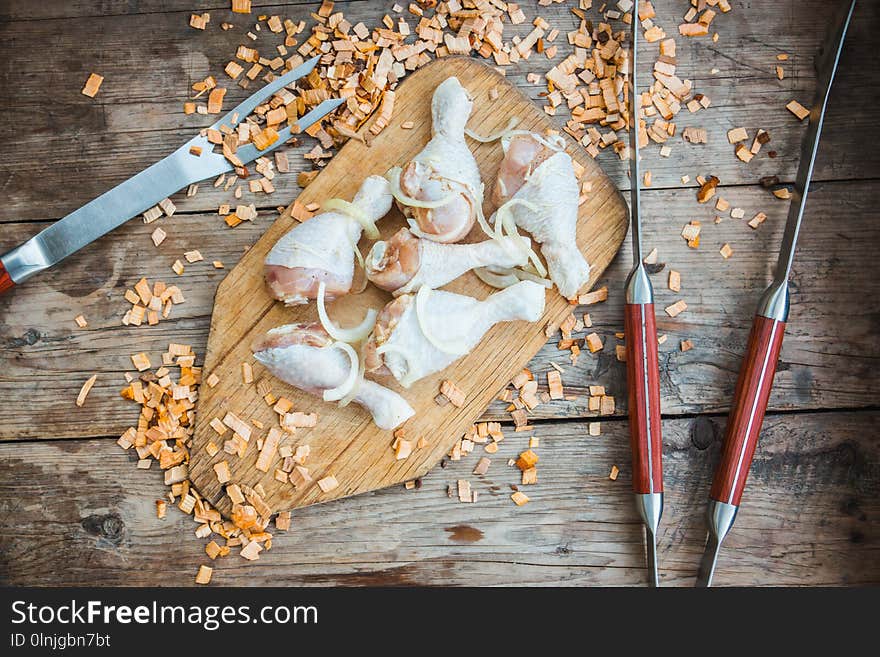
345 443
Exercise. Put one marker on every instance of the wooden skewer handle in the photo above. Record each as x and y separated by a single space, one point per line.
749 405
6 282
643 382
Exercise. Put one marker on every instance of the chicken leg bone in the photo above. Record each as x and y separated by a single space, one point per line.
322 248
454 325
406 263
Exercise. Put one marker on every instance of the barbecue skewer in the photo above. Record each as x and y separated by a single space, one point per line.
765 341
147 188
642 367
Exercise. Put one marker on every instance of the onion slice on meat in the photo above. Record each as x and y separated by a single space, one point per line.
552 145
353 211
499 280
455 349
349 397
495 136
504 221
350 335
344 388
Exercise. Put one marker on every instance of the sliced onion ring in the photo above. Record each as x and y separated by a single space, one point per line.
344 388
495 279
511 122
353 211
510 228
350 335
447 348
538 138
349 397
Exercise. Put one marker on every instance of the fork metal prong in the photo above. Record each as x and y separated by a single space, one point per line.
249 152
238 113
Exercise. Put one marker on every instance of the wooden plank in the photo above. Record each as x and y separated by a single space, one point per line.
150 60
810 516
827 361
346 443
24 10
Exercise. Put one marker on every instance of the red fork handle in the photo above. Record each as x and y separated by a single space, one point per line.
6 282
749 405
643 382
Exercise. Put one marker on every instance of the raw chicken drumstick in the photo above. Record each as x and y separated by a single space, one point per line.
406 263
444 174
304 356
322 248
537 181
417 335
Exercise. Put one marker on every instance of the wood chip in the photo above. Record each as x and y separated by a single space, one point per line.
674 281
158 236
726 251
695 135
92 85
676 308
84 391
482 466
595 296
241 6
204 574
519 498
783 193
141 362
403 449
251 551
798 110
328 483
736 135
222 471
707 189
614 472
757 220
452 393
554 383
527 459
80 321
269 449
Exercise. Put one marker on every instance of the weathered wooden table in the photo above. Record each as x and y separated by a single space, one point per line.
74 510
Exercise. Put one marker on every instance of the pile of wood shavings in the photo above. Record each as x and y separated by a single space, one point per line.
364 65
163 435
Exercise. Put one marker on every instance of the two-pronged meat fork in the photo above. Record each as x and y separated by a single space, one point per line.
150 186
765 340
762 353
642 366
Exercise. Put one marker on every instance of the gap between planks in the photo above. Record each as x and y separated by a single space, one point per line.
646 191
536 422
